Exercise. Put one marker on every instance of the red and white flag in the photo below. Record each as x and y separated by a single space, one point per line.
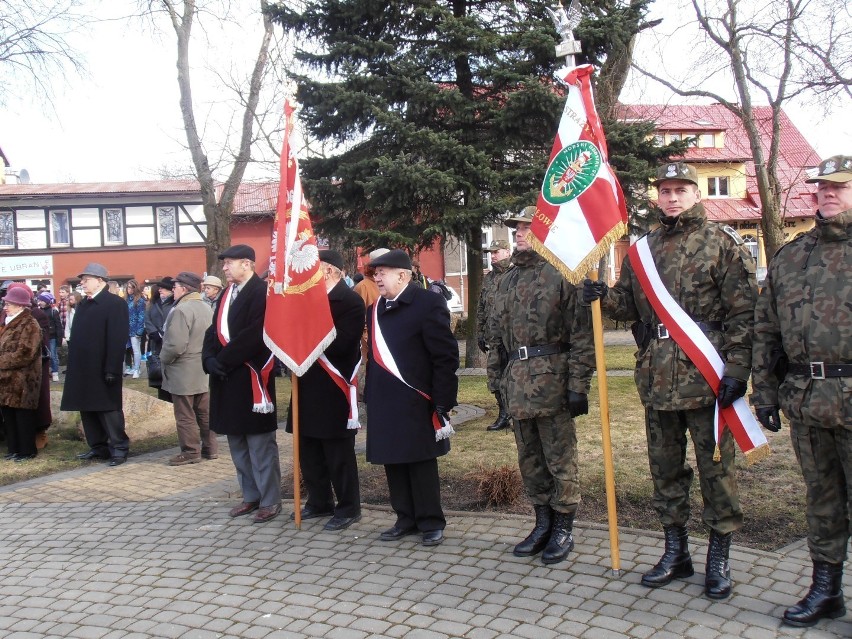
298 326
580 210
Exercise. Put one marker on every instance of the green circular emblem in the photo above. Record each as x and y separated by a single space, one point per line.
571 172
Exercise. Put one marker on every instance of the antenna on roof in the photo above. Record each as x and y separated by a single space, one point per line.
23 177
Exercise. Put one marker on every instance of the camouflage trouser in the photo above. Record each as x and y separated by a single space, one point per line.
547 458
825 455
493 366
672 475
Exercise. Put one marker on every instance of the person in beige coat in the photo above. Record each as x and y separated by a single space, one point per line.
183 375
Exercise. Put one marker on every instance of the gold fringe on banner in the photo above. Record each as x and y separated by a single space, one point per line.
758 454
588 263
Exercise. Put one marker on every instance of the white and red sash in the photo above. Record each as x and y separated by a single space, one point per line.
349 386
262 403
692 341
384 358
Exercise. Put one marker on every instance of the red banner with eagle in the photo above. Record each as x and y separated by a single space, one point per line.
580 210
298 326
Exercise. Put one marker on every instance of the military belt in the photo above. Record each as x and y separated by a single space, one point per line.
525 352
661 332
821 370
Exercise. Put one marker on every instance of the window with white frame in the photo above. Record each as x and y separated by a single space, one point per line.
60 233
7 229
166 224
717 186
113 226
707 140
751 244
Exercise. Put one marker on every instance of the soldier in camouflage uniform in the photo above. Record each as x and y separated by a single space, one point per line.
500 262
547 337
803 364
708 270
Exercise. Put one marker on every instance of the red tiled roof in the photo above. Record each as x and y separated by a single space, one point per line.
253 198
794 157
722 209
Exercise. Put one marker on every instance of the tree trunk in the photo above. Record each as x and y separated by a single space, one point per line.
473 356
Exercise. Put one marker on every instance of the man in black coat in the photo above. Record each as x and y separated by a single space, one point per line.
95 367
242 388
411 387
328 408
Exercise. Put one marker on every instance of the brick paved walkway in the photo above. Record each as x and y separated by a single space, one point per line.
147 551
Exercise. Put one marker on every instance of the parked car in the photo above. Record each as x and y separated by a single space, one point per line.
455 302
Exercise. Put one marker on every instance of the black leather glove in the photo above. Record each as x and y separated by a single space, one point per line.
730 390
214 367
593 291
482 345
769 417
578 404
443 413
110 379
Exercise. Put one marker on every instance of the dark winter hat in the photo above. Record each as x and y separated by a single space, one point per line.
837 168
238 252
95 270
20 295
166 283
331 257
189 279
396 258
526 215
676 171
497 245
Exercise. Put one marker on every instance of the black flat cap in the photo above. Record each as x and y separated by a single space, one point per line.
331 257
190 279
396 258
167 283
238 252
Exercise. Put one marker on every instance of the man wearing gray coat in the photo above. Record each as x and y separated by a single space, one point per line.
183 374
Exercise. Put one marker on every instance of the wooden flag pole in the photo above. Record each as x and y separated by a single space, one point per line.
609 473
297 475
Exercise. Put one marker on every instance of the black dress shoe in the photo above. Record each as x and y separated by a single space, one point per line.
10 455
310 513
433 537
90 454
339 523
20 458
392 534
117 461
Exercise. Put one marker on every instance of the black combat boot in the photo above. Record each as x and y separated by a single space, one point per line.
717 575
561 540
675 562
825 598
503 419
537 539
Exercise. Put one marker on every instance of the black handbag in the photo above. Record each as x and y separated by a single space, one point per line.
155 367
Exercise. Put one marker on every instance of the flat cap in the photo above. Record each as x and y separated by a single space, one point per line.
190 279
378 253
837 168
526 215
396 258
212 280
95 270
676 171
238 252
331 257
497 245
167 283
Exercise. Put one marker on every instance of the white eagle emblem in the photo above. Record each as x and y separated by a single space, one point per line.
829 167
671 171
302 256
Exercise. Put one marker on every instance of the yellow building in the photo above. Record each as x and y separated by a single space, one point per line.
720 151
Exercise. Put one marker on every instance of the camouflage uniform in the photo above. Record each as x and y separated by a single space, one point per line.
484 310
535 306
706 268
804 314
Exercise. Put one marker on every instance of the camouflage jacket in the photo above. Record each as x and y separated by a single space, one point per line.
534 305
708 270
805 313
486 296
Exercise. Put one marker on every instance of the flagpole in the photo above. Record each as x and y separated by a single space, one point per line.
297 479
609 471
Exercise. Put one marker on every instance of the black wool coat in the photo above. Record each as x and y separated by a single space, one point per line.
323 408
97 346
231 397
399 419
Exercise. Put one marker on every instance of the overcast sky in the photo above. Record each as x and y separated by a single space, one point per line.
122 121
